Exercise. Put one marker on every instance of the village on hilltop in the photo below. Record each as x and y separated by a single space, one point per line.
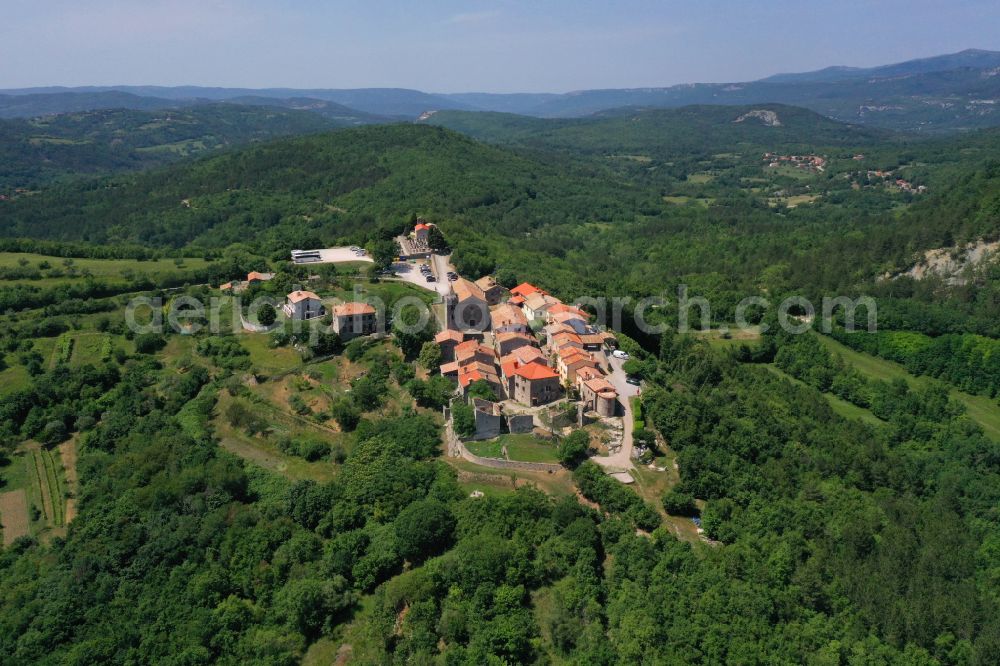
521 359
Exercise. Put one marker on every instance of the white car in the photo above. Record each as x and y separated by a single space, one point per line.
619 354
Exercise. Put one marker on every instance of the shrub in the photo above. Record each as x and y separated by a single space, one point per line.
424 528
267 315
464 419
481 389
678 503
573 449
149 343
346 414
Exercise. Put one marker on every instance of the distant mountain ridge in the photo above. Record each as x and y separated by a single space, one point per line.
950 92
393 102
969 58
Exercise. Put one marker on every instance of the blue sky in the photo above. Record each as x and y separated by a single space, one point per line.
448 46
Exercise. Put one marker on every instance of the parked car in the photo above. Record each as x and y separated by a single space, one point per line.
431 278
634 381
354 248
452 277
619 354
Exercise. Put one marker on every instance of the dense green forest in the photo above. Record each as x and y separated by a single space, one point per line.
280 499
36 151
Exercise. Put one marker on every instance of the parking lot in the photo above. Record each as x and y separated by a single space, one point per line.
338 255
411 273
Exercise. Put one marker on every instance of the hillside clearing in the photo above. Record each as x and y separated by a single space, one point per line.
14 515
981 409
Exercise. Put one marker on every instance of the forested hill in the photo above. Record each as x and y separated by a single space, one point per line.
34 151
665 133
343 115
50 102
322 187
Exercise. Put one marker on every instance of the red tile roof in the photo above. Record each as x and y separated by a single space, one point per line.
561 338
486 282
474 373
467 347
513 335
564 316
525 289
507 315
465 289
466 351
600 385
301 295
353 309
525 354
570 358
449 335
534 371
561 308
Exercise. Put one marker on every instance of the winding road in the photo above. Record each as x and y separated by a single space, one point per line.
622 460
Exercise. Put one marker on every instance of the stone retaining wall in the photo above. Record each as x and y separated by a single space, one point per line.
457 449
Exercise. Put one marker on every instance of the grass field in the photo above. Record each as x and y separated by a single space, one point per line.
261 451
387 292
839 405
501 481
794 200
700 178
680 200
730 339
266 358
486 449
14 378
107 268
981 409
522 447
528 448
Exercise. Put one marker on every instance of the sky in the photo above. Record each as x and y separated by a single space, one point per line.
451 46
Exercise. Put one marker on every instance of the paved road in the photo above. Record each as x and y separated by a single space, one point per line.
623 459
408 272
441 264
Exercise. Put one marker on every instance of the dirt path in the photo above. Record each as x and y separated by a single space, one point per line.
14 515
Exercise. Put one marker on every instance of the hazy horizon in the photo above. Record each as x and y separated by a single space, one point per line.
494 47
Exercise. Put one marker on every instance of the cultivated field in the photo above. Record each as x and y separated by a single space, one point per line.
67 454
14 515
